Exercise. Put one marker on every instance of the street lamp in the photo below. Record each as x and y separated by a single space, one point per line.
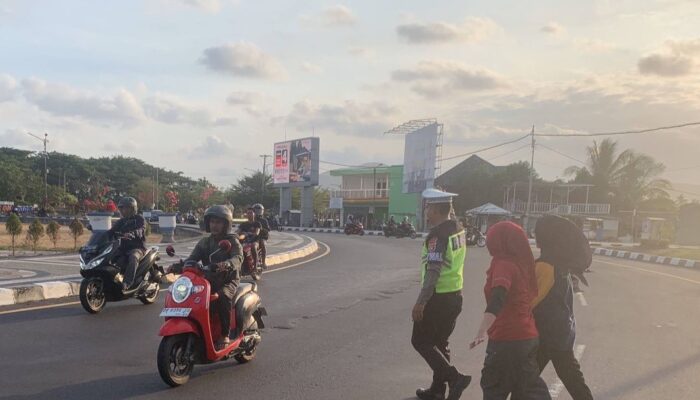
45 140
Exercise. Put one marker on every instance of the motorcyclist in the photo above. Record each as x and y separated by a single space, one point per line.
259 210
224 268
131 229
351 220
405 223
254 229
392 222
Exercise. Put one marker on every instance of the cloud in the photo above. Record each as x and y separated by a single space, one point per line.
211 147
16 138
171 111
359 51
349 118
121 147
211 6
242 59
244 98
311 68
8 88
553 28
472 30
122 108
594 45
435 78
334 16
677 58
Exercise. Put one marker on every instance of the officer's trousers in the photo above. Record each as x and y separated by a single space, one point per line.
511 367
430 335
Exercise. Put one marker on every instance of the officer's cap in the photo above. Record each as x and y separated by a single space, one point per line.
435 196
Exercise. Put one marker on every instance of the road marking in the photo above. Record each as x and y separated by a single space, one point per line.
325 253
557 387
582 299
680 278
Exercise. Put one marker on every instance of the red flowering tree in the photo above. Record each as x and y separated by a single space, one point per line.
173 199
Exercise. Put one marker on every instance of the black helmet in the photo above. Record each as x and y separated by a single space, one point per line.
258 208
219 211
125 202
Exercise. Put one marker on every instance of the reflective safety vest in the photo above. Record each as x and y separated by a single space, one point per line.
451 276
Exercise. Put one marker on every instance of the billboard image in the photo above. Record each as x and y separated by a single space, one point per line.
296 163
420 148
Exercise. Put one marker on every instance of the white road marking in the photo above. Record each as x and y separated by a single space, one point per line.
582 299
556 388
325 253
41 279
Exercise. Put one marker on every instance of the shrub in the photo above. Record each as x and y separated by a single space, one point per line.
13 226
53 231
76 230
35 233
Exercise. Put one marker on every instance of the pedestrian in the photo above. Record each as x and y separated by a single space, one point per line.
565 253
440 299
510 366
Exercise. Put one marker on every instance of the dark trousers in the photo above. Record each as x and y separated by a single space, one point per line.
511 367
223 306
430 335
568 370
263 250
129 261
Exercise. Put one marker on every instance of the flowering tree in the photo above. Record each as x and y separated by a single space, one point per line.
173 199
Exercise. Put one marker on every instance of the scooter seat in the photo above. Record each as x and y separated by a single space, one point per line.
243 288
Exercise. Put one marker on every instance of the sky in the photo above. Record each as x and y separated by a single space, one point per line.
207 86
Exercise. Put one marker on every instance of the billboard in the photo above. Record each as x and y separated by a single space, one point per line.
296 163
419 156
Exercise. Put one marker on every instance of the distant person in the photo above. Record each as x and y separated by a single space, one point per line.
264 235
510 366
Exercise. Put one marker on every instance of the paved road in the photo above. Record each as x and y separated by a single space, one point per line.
339 328
37 269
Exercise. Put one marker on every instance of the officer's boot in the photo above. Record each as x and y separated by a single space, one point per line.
436 391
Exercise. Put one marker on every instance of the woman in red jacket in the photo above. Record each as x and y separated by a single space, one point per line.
510 366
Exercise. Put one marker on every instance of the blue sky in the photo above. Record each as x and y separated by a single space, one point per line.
204 86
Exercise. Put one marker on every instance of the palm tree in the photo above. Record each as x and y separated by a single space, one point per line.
624 178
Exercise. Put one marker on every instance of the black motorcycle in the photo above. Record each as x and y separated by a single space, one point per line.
389 230
100 282
475 237
406 230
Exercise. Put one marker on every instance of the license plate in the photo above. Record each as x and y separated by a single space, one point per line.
175 312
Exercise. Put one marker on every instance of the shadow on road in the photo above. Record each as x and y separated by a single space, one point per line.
115 388
649 378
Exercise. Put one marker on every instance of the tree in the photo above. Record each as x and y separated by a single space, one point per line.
623 178
13 226
35 233
76 230
254 188
53 231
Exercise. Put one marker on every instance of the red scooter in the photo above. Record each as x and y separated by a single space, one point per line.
355 229
190 321
250 266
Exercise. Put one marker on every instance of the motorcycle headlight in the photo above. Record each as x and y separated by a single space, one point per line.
93 263
181 289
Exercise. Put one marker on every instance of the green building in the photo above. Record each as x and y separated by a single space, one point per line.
373 192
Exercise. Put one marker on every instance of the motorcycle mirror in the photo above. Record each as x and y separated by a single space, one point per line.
170 250
225 246
89 227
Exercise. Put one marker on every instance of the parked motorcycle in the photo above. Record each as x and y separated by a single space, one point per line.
355 229
249 266
406 231
100 282
389 230
187 337
475 237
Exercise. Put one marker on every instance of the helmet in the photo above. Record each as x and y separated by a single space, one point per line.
129 202
405 219
219 211
258 208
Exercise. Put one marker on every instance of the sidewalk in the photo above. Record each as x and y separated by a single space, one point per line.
53 277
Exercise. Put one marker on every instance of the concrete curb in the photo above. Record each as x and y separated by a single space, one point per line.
336 230
58 289
634 256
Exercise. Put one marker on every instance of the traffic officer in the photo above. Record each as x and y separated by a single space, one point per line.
440 299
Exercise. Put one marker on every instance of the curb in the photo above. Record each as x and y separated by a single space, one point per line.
58 289
635 256
335 230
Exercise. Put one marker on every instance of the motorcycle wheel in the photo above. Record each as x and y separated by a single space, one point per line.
150 299
174 365
362 233
256 274
481 242
413 235
248 356
92 295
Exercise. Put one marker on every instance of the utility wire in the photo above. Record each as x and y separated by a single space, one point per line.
560 153
510 152
661 128
486 148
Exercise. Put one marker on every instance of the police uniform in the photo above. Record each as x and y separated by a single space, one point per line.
442 264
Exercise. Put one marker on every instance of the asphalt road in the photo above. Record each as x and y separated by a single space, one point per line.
339 328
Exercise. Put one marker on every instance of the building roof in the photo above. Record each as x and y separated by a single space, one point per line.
470 164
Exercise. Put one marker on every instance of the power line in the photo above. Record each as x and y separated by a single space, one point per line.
661 128
510 152
486 148
560 153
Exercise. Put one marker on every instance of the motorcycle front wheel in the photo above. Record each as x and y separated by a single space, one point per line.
249 354
92 295
174 364
147 298
481 242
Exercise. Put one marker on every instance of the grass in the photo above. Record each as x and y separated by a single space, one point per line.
64 243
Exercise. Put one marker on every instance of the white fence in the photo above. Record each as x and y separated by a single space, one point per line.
555 208
360 193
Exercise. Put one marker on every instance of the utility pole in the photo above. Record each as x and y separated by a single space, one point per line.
45 140
532 173
264 175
